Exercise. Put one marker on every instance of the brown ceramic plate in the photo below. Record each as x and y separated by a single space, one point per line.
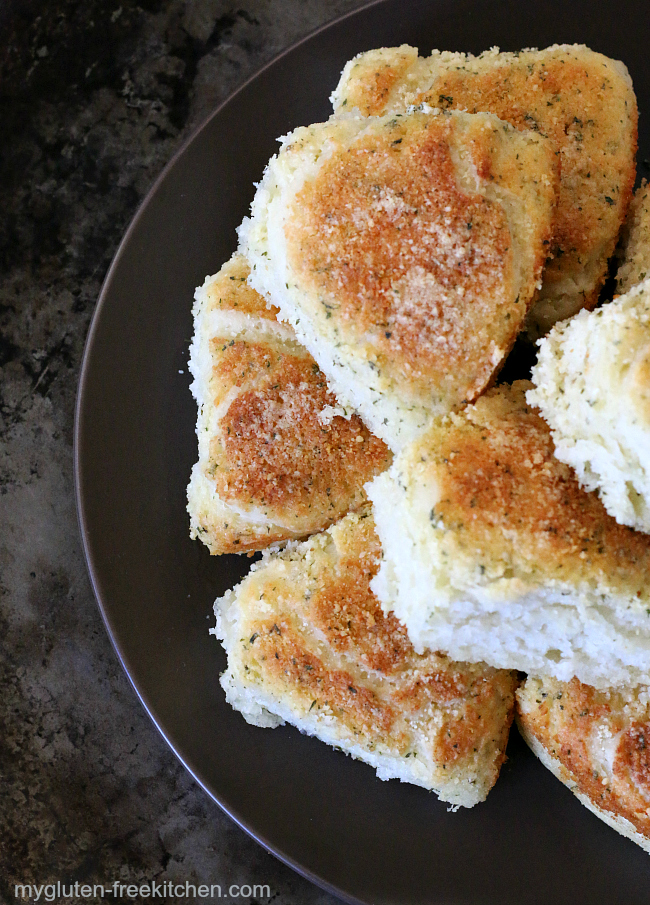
324 814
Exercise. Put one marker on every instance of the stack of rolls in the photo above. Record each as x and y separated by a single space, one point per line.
441 551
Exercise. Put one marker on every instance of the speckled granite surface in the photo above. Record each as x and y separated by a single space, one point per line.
95 98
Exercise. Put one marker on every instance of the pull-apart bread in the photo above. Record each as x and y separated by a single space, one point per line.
308 644
635 264
592 382
494 552
404 250
597 743
277 459
583 101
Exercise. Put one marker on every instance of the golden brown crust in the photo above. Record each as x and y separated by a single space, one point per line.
367 270
228 534
578 98
229 291
353 622
502 489
525 96
370 87
458 736
281 652
314 636
274 452
633 758
600 739
412 260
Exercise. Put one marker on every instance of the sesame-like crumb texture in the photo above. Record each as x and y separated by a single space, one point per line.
277 458
493 550
592 385
583 101
308 643
597 743
405 250
635 263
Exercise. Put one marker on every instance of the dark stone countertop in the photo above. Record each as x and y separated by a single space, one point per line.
95 98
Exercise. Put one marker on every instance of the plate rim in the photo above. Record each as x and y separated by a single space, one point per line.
271 848
91 335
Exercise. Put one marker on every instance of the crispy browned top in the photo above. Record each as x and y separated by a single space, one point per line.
342 607
574 96
269 454
273 453
387 207
410 262
315 633
570 101
633 758
372 77
353 622
229 291
502 489
281 651
601 738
